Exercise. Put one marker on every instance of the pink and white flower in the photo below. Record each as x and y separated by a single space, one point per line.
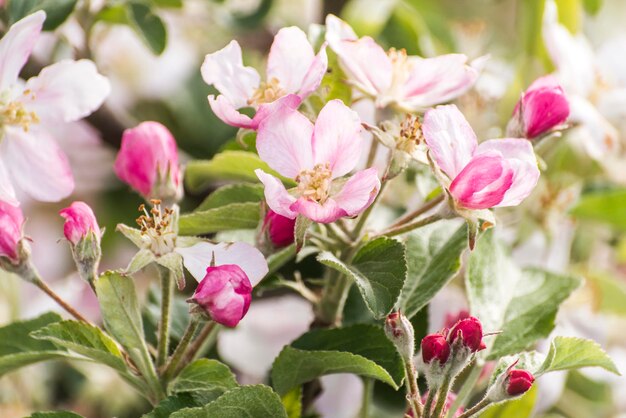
411 83
80 222
11 222
293 73
148 162
496 173
316 157
227 273
63 92
542 108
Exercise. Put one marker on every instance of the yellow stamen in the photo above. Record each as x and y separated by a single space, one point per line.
267 92
315 184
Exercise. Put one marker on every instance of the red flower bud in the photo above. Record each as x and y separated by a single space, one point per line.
435 346
518 382
279 229
11 220
471 332
79 222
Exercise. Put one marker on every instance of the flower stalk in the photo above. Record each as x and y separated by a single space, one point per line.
167 292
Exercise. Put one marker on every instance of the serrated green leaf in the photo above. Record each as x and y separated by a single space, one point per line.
122 318
173 403
57 11
257 401
204 375
359 349
55 414
573 353
233 193
379 269
606 206
433 259
19 349
227 165
233 216
521 304
148 25
84 339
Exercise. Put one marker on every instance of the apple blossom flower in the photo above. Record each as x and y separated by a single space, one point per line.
79 222
11 221
315 156
496 173
280 230
393 78
542 108
148 162
63 92
293 73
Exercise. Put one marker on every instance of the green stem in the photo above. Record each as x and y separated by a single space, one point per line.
468 385
358 228
197 344
419 211
475 409
333 298
172 365
413 395
428 407
401 229
442 396
69 309
368 392
167 291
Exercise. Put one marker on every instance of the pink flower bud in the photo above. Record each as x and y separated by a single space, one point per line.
470 331
79 222
224 294
148 161
435 346
11 220
399 330
518 382
542 107
279 229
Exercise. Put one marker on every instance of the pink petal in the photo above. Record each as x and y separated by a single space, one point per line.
284 141
276 196
521 158
483 183
315 73
16 46
437 80
198 257
225 110
336 138
542 107
450 138
358 192
36 164
11 222
324 213
7 192
66 91
337 30
290 58
225 70
288 102
366 64
80 221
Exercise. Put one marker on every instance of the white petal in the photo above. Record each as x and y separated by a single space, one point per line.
7 193
290 58
16 46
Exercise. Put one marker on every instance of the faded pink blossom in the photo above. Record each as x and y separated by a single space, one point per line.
315 156
80 221
393 78
63 92
496 173
542 108
148 161
293 73
11 221
280 229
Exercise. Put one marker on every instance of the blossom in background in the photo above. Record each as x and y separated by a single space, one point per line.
293 73
62 93
498 172
148 162
315 156
393 78
542 108
11 223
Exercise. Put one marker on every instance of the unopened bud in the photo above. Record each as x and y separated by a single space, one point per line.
469 333
11 221
400 331
435 347
519 382
279 229
82 231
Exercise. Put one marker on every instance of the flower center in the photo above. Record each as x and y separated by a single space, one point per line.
157 230
411 134
14 113
267 92
315 184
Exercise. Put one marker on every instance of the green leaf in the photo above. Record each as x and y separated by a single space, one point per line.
227 165
359 349
19 349
233 193
521 304
84 339
174 403
609 293
299 231
281 257
592 6
573 353
607 206
122 318
115 14
177 4
233 216
292 401
55 414
148 25
204 375
257 401
518 408
433 259
379 269
57 11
